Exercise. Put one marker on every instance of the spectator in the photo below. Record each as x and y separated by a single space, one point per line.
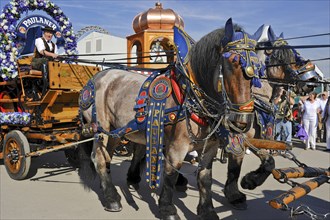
299 116
326 120
321 126
310 109
283 116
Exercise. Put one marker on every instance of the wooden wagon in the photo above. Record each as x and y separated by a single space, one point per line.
42 111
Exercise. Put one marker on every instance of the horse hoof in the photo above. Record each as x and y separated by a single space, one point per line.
247 184
212 215
239 206
134 186
113 207
171 217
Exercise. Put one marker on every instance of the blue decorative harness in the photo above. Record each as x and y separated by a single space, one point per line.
151 116
265 119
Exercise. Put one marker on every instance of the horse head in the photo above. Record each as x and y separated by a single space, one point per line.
284 62
308 74
231 68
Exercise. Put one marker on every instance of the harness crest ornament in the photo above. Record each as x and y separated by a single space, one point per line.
160 88
87 95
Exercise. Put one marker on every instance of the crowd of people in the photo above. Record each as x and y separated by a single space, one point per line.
313 117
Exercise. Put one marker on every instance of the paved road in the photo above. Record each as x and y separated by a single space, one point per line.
54 191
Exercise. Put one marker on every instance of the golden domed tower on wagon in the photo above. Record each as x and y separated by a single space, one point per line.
153 36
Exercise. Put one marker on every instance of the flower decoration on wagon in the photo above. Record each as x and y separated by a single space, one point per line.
9 16
15 118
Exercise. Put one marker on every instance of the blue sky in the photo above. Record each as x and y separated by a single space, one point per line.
292 17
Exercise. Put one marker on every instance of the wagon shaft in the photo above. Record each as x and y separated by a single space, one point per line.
297 192
267 144
296 172
57 148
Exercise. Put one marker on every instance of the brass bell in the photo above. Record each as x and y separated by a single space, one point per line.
219 86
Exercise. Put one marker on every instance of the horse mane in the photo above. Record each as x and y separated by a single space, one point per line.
206 58
278 56
281 56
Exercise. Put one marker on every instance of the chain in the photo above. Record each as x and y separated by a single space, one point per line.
205 105
305 210
177 170
289 155
193 137
302 209
210 100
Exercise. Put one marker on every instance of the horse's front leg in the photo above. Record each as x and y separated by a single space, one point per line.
257 177
236 198
205 208
174 160
102 160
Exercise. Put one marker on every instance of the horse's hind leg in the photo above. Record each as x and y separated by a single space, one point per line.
181 183
259 176
205 208
101 160
138 160
236 198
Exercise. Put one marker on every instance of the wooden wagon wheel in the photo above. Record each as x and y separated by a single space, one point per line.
16 146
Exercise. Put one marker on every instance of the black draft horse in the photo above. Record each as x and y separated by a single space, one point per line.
282 63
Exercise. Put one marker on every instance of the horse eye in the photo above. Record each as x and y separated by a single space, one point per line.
268 52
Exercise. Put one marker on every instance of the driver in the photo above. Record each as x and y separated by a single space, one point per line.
45 49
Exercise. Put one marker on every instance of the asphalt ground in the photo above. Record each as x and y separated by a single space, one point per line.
54 191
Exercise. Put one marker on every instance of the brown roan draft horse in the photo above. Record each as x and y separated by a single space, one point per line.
146 110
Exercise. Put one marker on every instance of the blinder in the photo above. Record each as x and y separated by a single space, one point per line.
307 73
243 48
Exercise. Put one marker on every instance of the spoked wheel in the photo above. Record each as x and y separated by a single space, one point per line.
16 146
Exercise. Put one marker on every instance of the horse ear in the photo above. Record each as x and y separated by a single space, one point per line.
281 35
229 29
271 34
258 33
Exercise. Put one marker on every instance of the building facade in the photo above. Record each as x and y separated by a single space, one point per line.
102 47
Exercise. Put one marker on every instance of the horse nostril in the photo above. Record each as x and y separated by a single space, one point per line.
239 124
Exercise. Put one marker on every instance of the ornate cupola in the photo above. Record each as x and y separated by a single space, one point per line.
153 36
